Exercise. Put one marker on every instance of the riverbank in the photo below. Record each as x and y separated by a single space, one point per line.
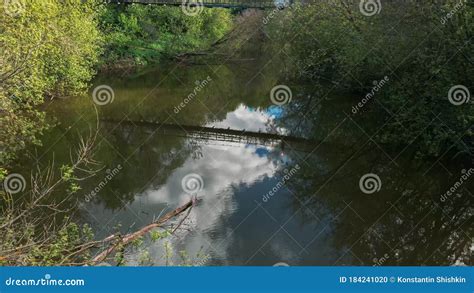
54 50
140 35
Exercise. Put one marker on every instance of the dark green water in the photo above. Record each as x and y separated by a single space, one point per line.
318 216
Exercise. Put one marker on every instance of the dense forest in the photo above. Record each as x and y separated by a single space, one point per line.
420 92
339 47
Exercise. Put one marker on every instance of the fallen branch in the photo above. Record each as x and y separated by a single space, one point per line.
182 220
127 239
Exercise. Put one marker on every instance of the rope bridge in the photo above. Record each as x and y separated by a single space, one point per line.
220 134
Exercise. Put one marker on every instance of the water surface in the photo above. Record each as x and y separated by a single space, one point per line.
319 216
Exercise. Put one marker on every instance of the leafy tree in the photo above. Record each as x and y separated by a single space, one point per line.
49 49
425 48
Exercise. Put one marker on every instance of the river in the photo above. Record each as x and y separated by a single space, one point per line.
262 202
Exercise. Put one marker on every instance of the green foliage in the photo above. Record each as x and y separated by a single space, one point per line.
58 249
157 234
168 253
137 242
145 33
119 256
3 174
144 258
67 175
423 55
48 49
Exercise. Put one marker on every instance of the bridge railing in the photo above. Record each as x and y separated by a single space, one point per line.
208 3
